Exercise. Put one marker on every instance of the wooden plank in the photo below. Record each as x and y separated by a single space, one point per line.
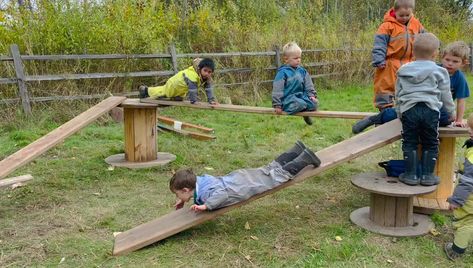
20 78
258 110
94 57
11 181
58 77
35 149
170 121
194 135
179 220
390 211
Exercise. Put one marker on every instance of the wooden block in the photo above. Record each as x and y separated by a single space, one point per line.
11 181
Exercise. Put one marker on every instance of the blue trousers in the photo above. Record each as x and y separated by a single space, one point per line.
420 125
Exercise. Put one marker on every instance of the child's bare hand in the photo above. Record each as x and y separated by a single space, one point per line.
278 110
179 204
198 207
452 206
459 123
314 99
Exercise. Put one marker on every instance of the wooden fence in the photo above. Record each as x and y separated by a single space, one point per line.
22 78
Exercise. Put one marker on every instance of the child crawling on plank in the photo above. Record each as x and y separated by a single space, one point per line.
210 193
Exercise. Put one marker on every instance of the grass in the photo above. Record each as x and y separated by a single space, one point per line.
67 215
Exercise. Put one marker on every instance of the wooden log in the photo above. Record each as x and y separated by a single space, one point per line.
11 181
35 149
177 221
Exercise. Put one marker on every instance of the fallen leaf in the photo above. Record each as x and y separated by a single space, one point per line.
16 185
111 168
62 260
208 168
434 232
116 233
254 237
297 207
248 257
338 238
97 194
389 261
247 226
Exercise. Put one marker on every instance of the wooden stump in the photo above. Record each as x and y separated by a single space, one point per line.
141 150
391 206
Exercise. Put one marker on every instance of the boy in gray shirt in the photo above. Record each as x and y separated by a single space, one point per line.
210 193
422 87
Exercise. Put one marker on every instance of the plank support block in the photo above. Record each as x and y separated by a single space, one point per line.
391 207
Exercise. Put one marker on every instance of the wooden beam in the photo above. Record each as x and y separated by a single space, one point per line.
258 110
194 135
171 121
33 150
11 181
180 220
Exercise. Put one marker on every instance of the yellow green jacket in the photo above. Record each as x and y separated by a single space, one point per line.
185 81
463 194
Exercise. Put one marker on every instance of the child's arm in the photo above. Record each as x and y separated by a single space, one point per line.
310 88
193 88
213 201
209 93
278 91
380 46
446 94
460 112
462 191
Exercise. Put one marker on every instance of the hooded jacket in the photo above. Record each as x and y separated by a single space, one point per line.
423 81
291 81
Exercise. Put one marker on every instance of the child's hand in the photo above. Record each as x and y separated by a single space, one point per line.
198 207
459 123
314 99
452 206
179 204
278 110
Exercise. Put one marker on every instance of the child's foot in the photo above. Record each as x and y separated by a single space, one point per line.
450 252
143 92
307 157
290 154
308 120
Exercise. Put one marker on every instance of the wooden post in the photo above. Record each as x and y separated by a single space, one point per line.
277 57
172 50
20 76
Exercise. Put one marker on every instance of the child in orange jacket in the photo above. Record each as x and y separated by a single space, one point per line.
393 48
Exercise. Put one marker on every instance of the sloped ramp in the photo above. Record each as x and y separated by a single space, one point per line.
180 220
41 145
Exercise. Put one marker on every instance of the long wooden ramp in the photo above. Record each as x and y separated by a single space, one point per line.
180 220
258 110
38 147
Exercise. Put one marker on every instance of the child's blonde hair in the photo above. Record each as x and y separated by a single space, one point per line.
425 45
291 48
470 121
457 49
404 3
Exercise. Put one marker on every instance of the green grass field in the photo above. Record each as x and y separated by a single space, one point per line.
67 215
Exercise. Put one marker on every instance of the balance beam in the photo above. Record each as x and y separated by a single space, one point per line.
38 147
258 110
180 220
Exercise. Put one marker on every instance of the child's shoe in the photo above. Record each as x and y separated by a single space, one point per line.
428 165
308 120
290 154
143 92
307 157
410 176
450 252
366 122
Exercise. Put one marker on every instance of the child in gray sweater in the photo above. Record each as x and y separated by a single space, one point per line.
210 193
422 87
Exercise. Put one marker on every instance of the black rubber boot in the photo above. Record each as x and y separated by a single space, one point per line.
307 157
410 176
428 165
143 92
291 154
177 98
308 120
366 122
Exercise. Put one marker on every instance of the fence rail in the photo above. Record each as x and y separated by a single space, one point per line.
21 78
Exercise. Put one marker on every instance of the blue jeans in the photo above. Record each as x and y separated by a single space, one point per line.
420 125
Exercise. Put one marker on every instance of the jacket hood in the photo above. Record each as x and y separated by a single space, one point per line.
388 17
414 73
